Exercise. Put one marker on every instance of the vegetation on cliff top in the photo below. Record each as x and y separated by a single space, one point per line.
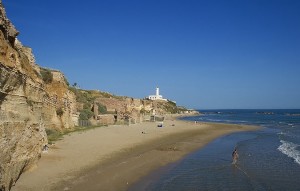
172 108
87 99
102 108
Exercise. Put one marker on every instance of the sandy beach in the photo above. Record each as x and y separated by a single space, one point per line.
114 157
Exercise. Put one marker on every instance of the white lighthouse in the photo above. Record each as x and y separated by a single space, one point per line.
157 96
157 91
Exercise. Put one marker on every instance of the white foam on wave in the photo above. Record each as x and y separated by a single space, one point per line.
215 120
290 149
281 133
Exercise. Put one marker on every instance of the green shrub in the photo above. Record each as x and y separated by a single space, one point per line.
87 106
102 108
85 114
53 135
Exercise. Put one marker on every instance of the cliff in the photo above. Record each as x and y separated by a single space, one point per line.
28 104
103 108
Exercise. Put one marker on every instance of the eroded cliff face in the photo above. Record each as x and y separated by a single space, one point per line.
6 26
28 105
109 109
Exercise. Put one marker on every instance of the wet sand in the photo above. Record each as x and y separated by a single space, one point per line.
115 157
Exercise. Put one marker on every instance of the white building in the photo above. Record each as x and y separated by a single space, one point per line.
157 96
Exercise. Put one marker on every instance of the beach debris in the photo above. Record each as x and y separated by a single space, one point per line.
160 124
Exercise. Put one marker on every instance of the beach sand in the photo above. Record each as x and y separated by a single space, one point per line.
115 157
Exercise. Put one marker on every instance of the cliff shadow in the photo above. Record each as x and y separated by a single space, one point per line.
2 97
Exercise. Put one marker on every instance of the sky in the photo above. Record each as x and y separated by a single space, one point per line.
212 54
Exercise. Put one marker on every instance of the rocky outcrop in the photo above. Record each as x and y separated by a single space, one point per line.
28 105
129 110
8 30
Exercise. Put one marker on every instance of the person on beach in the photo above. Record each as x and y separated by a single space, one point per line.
235 156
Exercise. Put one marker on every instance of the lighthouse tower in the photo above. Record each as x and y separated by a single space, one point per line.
156 96
157 91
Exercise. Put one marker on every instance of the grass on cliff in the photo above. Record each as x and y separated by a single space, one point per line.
172 108
55 135
46 75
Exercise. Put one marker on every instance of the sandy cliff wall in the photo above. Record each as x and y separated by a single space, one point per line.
28 105
134 110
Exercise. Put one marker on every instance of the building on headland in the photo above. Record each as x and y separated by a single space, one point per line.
157 96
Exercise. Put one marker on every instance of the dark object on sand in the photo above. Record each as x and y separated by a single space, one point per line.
45 148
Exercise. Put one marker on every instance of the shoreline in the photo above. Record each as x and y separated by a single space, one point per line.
115 157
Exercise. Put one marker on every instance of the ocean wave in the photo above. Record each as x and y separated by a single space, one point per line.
293 114
208 119
281 133
290 149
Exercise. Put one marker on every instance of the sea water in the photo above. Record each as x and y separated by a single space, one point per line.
269 159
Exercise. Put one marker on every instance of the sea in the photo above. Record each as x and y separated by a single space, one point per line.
269 159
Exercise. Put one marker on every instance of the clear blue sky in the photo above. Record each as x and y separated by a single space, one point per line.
203 54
